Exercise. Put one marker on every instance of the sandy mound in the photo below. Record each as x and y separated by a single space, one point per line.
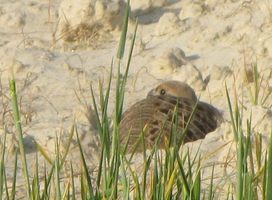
88 22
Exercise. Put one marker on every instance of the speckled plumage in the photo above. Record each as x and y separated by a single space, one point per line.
153 117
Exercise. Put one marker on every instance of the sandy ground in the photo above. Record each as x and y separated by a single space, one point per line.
57 49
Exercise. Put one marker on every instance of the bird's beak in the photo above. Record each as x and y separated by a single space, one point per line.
151 93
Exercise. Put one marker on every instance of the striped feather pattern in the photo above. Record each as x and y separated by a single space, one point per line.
159 115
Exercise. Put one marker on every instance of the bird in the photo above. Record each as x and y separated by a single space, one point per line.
170 114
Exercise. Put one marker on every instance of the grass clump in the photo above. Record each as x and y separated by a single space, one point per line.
259 90
251 177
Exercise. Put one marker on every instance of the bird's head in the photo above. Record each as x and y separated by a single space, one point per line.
174 88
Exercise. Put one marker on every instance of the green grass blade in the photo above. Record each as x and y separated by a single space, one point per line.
124 180
19 132
83 192
45 190
73 183
231 114
6 184
47 182
135 179
2 164
13 190
258 150
122 41
131 48
269 171
264 181
188 124
106 130
121 92
89 182
211 195
98 121
68 146
240 168
197 183
100 169
57 171
183 177
36 181
170 183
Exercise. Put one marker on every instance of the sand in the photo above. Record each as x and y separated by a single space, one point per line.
57 49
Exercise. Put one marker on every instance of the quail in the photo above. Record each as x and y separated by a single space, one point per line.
164 115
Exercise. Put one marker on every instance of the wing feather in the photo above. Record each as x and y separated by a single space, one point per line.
156 114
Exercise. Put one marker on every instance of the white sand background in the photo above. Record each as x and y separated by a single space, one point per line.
56 49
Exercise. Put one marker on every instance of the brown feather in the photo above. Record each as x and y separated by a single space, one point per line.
156 112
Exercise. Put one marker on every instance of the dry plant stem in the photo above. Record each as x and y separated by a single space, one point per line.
19 132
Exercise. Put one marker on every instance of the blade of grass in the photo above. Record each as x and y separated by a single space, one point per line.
103 124
258 149
124 180
6 184
183 177
2 164
170 183
235 129
135 179
197 183
67 148
52 162
269 171
45 190
122 41
57 170
47 182
73 182
13 191
240 168
66 192
211 195
264 181
100 170
19 131
83 191
124 79
188 124
89 182
120 84
43 153
36 181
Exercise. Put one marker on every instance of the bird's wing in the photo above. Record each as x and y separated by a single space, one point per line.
160 116
135 119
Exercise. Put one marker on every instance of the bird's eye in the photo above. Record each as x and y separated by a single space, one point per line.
162 92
